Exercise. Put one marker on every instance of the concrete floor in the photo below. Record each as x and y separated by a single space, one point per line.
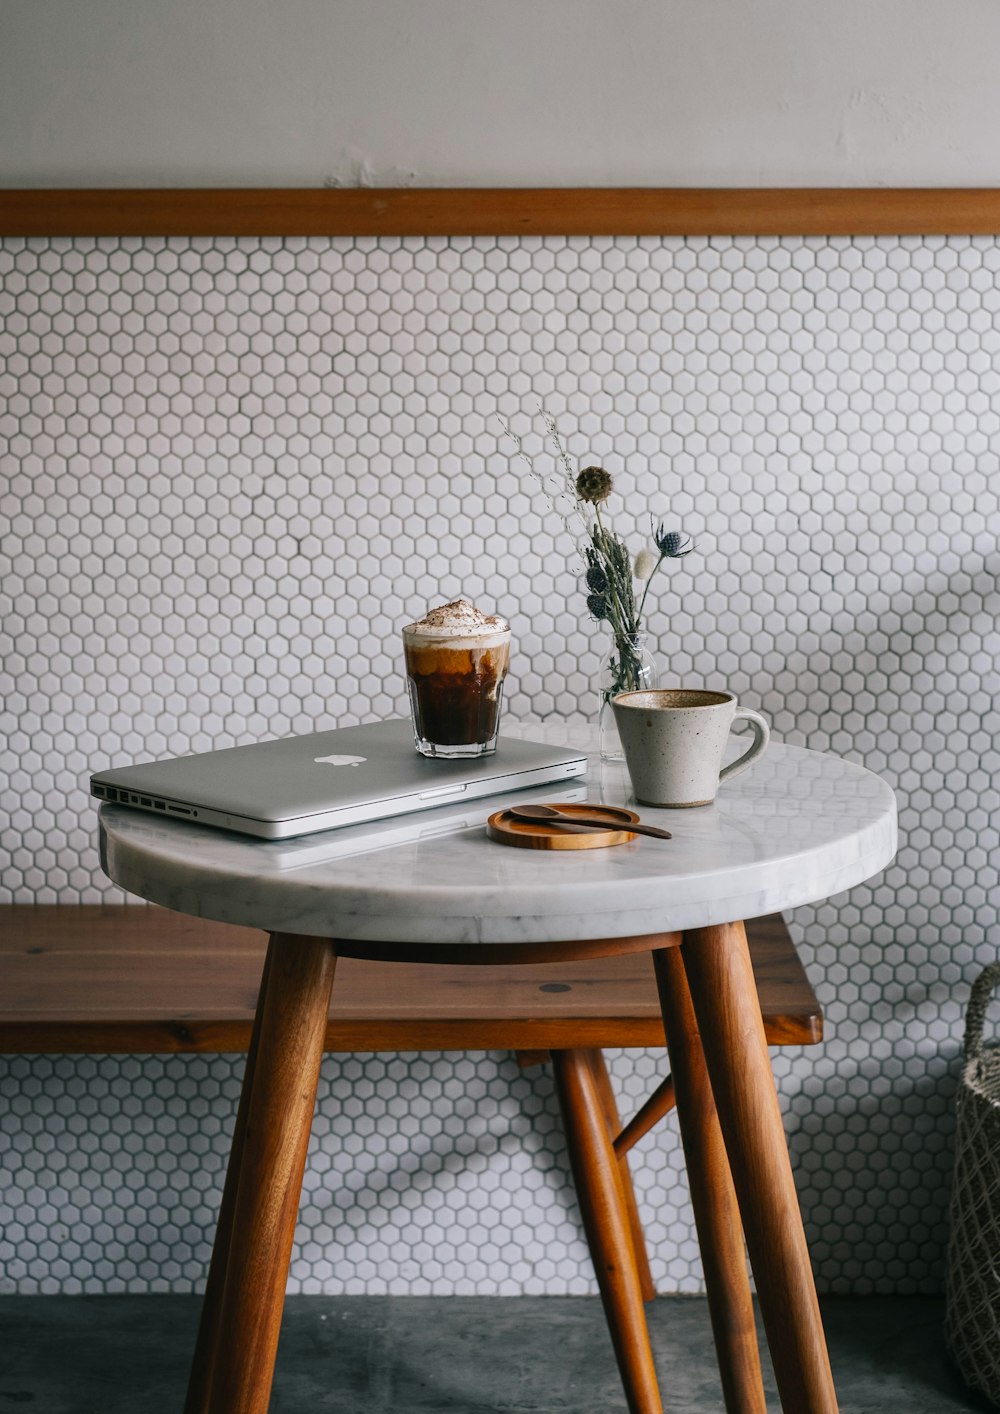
460 1355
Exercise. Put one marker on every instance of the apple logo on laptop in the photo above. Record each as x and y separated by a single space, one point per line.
338 759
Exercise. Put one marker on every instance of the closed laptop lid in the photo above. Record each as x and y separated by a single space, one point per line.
299 784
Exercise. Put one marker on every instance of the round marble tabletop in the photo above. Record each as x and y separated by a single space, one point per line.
798 826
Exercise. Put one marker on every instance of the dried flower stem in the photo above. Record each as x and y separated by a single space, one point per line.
561 453
624 619
556 493
673 546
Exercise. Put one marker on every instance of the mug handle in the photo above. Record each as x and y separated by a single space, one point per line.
761 736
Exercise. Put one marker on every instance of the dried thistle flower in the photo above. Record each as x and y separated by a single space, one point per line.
598 606
597 579
594 484
671 544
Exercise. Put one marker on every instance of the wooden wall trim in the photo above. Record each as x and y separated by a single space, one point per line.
409 211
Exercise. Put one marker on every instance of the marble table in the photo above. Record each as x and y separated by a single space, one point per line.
798 827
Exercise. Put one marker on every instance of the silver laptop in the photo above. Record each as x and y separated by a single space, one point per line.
303 784
304 852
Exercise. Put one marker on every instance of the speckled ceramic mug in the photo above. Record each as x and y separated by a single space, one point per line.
674 741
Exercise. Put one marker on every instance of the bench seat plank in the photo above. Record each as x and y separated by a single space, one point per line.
132 978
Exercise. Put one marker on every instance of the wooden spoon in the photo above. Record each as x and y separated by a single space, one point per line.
552 816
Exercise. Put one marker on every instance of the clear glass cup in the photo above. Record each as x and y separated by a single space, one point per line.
630 668
455 682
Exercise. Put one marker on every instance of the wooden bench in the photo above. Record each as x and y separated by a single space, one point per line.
140 979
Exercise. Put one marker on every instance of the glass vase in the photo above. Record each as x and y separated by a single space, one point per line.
630 667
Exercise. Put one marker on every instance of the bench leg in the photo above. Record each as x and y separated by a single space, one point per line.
720 975
605 1217
244 1324
717 1216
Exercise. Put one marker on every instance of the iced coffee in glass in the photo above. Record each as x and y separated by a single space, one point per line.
456 661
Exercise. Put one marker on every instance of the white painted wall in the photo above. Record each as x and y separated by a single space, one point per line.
529 92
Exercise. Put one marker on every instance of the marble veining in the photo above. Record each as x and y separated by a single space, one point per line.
799 827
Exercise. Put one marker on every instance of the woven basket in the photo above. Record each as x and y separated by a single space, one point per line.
972 1279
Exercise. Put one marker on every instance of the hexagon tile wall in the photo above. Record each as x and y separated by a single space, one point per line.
232 470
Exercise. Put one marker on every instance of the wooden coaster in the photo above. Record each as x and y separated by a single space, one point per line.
536 834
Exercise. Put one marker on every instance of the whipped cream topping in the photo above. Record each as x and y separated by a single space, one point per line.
459 619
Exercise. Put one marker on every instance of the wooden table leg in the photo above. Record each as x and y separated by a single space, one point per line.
292 1030
200 1380
610 1107
716 1212
606 1220
720 975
